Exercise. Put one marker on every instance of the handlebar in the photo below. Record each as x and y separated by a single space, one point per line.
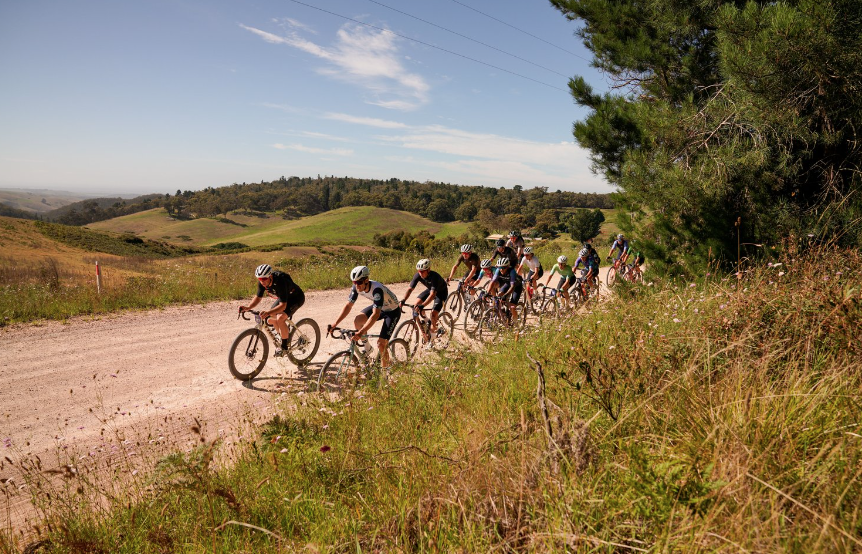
340 333
256 314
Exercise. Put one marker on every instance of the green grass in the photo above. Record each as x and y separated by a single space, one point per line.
352 225
717 417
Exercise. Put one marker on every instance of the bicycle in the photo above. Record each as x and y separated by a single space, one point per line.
551 304
417 330
250 349
460 299
473 314
623 270
498 317
341 365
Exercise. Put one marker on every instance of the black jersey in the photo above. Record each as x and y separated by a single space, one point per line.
281 287
471 261
509 253
433 281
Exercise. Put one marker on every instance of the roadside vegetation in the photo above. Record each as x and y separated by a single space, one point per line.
720 415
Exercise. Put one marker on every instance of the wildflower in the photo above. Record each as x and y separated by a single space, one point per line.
691 286
325 448
780 273
677 320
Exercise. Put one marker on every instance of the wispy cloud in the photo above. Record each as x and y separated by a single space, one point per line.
369 121
363 57
289 22
313 150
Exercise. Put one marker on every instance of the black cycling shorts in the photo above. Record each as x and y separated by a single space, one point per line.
390 320
539 276
293 303
565 283
516 293
438 300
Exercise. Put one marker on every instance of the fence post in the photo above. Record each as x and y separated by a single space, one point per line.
98 278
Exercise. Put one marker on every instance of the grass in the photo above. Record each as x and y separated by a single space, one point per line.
352 225
714 416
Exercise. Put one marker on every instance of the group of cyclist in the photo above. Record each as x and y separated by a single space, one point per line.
504 277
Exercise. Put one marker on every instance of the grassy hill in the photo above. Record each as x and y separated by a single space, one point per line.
38 201
352 225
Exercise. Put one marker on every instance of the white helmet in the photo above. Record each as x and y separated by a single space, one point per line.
563 260
620 236
263 271
423 264
359 273
487 263
466 248
528 250
583 253
503 262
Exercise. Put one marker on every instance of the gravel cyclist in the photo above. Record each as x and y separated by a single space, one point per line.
516 243
623 245
436 290
587 262
468 258
507 252
531 261
288 298
384 307
505 280
487 271
567 276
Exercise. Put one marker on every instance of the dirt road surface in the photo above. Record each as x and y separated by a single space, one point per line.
124 389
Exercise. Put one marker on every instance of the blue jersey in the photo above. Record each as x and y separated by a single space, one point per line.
623 245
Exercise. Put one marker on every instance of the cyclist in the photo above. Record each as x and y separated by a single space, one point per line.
384 306
289 298
436 290
637 263
507 252
593 252
507 280
589 264
516 243
470 259
623 245
533 264
487 270
567 276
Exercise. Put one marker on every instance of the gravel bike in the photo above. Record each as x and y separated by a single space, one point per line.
460 299
345 365
617 268
417 330
497 317
250 349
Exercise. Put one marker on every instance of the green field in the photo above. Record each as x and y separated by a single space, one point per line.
352 225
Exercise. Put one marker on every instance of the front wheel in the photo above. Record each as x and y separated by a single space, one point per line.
248 354
445 326
454 305
472 318
399 352
409 332
551 308
339 370
303 342
612 276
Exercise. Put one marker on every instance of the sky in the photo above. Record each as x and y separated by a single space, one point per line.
108 96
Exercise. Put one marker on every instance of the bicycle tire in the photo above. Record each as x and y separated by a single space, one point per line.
611 276
252 358
490 325
454 305
303 342
551 308
409 332
399 352
445 327
337 371
472 317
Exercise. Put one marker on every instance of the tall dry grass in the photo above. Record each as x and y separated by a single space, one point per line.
720 416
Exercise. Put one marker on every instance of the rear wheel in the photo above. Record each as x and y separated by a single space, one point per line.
248 354
338 371
303 342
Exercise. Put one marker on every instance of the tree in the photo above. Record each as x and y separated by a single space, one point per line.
585 224
725 109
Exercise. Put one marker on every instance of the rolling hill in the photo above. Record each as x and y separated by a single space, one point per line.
351 225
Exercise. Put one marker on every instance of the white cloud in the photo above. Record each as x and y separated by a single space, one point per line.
285 22
313 150
369 121
364 57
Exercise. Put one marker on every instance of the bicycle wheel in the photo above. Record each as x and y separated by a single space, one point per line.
490 325
454 305
339 370
409 332
445 327
551 308
303 342
248 354
472 318
612 276
399 352
637 277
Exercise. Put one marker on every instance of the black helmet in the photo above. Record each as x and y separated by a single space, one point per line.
500 242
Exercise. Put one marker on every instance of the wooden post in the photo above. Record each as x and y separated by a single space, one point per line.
98 278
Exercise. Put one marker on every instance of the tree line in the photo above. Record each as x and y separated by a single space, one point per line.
295 197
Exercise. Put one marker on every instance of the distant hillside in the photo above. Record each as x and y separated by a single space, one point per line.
38 200
353 225
99 209
9 211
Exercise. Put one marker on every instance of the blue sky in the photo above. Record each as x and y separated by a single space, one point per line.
134 97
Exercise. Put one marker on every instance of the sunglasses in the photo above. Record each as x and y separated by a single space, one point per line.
360 282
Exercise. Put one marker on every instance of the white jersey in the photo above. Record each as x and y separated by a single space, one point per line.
533 264
382 297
